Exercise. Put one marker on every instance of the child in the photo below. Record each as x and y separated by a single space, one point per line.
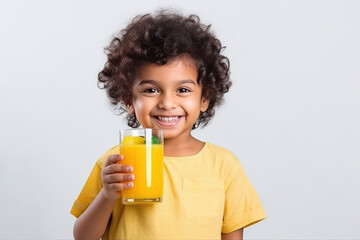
166 71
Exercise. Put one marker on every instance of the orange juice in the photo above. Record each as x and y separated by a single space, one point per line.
148 163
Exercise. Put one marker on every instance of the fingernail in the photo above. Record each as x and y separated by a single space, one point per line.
131 177
130 169
130 184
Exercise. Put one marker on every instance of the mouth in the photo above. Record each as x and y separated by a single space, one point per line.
168 121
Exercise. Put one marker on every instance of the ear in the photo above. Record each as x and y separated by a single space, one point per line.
204 104
130 109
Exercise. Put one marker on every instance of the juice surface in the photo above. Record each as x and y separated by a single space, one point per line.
135 155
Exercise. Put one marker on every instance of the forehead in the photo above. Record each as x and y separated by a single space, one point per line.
177 68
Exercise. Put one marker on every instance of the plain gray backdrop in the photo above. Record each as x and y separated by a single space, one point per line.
292 116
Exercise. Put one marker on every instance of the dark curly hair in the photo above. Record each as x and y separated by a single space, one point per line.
156 39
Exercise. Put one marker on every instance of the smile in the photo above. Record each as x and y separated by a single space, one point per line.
168 119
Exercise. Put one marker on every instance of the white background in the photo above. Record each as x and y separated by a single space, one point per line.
292 116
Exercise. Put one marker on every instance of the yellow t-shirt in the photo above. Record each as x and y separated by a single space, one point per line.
204 195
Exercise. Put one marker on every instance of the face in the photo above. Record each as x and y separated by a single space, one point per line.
168 97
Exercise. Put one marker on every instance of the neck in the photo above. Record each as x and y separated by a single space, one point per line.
186 146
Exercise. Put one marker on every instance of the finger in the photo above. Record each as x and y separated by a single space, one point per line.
118 177
117 168
113 159
120 186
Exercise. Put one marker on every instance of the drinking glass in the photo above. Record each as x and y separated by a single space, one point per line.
143 149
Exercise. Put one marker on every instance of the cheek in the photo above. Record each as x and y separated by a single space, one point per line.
138 105
192 105
139 108
142 106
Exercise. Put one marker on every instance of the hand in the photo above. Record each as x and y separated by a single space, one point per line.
116 177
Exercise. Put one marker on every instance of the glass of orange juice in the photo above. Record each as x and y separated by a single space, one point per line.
144 150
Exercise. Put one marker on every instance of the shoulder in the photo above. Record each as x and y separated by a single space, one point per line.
226 163
219 151
225 156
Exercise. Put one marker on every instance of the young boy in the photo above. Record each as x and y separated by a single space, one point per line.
166 71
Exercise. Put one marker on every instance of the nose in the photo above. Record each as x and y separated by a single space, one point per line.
167 101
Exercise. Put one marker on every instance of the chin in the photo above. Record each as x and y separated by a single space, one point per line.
168 134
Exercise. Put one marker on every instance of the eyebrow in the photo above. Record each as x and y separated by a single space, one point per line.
142 82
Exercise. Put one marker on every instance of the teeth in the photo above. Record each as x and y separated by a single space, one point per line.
168 119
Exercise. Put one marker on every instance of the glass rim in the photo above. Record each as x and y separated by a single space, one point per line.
141 130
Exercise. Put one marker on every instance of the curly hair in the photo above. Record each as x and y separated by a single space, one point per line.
156 39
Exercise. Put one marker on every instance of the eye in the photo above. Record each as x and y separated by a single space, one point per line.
183 90
150 90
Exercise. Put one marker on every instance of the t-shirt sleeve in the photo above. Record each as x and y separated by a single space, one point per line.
242 204
90 190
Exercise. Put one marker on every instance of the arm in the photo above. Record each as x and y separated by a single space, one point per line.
235 235
93 222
